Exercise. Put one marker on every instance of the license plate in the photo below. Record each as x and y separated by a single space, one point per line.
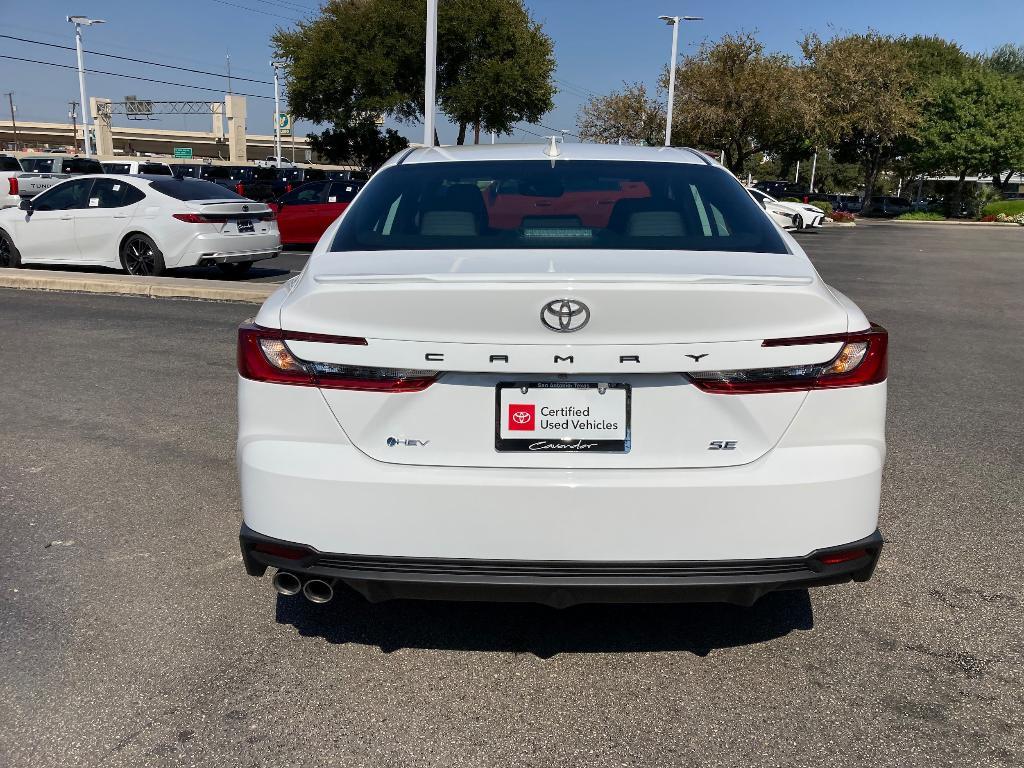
562 417
245 226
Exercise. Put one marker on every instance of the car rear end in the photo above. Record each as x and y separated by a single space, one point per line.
206 224
616 397
10 169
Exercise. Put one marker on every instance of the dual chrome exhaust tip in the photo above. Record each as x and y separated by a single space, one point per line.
318 591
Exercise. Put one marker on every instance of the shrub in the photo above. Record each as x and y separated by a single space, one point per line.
842 216
826 207
1008 207
921 216
991 217
1018 219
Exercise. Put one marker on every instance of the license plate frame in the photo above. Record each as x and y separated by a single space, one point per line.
537 444
245 226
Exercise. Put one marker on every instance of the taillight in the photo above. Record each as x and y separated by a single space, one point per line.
240 188
861 360
192 218
12 183
263 355
267 215
288 187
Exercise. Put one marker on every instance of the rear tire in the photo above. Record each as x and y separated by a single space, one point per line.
140 256
236 268
10 257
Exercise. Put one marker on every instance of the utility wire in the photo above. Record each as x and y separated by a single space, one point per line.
257 10
287 5
131 77
137 61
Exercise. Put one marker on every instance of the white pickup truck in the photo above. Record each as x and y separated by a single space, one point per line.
40 172
10 170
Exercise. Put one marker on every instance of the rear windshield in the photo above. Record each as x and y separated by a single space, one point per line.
193 189
38 164
8 163
155 169
116 168
571 204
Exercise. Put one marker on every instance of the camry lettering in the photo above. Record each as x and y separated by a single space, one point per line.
629 359
560 359
433 357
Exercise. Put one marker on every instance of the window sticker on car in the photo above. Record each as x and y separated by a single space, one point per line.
94 202
117 187
332 199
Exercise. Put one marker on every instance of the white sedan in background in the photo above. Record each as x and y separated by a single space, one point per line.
798 215
141 224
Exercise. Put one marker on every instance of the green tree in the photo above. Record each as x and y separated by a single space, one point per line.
868 98
733 96
630 115
973 123
359 60
1007 60
494 65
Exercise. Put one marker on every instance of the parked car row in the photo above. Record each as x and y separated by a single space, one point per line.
33 175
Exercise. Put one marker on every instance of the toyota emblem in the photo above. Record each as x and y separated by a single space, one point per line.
565 315
521 417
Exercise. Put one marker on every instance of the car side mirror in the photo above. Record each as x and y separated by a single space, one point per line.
26 205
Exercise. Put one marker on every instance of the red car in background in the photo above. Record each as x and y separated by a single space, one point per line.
305 213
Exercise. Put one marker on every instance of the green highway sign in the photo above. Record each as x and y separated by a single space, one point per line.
183 152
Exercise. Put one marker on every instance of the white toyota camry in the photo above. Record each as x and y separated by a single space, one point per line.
789 215
141 224
559 374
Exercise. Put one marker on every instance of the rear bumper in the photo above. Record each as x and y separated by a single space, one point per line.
234 257
561 583
226 248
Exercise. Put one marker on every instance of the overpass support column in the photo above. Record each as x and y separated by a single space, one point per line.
101 122
235 109
217 110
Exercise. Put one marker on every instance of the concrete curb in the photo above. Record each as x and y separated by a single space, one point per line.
955 223
842 224
128 285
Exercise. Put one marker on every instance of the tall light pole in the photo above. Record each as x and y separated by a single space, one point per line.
277 115
14 122
674 22
430 74
79 22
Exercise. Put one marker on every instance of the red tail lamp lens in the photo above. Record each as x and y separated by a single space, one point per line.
263 355
862 360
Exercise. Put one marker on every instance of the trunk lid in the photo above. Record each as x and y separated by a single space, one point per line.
476 318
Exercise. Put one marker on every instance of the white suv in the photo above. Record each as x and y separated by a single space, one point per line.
559 374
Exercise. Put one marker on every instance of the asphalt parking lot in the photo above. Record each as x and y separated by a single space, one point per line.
132 637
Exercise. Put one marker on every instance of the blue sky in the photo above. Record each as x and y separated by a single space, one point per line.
598 44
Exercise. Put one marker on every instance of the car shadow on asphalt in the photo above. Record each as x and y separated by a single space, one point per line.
546 632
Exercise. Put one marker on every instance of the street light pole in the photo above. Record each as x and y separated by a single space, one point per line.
674 22
430 75
79 22
14 123
73 114
277 116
